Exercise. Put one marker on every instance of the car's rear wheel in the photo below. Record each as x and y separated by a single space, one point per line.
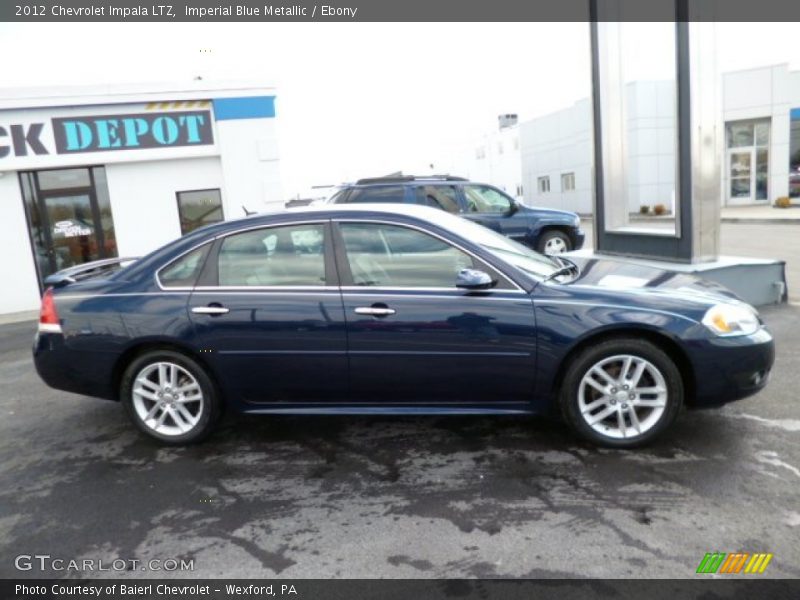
170 397
622 392
554 242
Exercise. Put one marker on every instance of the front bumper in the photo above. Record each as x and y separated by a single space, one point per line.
578 237
730 368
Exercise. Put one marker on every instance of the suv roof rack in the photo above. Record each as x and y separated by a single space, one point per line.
407 178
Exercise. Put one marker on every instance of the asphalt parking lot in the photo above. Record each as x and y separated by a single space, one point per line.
301 497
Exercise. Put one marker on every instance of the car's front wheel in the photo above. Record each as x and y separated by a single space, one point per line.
170 397
554 242
622 392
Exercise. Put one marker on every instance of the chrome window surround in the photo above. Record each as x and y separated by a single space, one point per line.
310 289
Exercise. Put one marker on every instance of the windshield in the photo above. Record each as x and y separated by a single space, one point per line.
508 250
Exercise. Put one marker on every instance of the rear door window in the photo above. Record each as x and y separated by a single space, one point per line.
444 197
293 255
183 271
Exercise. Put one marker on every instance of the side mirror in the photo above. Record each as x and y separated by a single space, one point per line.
512 209
472 279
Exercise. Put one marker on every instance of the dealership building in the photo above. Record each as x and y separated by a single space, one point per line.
759 113
107 171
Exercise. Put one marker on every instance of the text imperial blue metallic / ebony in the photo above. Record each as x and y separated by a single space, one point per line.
393 309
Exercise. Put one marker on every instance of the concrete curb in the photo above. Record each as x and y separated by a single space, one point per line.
754 221
19 317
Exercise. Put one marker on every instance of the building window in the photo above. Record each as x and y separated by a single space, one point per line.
519 190
794 154
567 182
480 153
198 208
543 184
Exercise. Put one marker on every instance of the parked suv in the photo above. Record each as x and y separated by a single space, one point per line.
546 230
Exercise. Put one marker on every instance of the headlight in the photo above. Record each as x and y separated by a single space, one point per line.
731 319
577 220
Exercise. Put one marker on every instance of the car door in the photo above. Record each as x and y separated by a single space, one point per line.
414 337
268 316
493 209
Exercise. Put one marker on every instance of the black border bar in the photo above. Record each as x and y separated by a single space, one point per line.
388 10
740 586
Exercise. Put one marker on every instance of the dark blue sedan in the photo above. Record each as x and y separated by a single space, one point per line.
393 309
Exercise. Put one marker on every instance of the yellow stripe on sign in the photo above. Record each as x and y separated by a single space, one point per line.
767 558
754 564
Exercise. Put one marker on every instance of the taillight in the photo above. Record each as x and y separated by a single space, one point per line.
48 316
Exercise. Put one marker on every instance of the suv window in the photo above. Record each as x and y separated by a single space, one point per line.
183 271
382 193
274 256
439 196
484 199
396 256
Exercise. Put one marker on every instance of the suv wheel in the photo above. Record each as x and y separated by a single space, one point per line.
554 242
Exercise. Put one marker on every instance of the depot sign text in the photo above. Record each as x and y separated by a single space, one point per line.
105 133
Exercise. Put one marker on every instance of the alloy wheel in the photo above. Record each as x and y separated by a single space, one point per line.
167 398
622 396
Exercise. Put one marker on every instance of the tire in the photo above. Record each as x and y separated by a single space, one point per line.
554 242
191 414
583 404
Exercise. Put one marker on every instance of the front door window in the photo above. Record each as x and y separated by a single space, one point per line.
69 217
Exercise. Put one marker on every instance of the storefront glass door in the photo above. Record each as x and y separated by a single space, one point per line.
69 218
748 162
741 176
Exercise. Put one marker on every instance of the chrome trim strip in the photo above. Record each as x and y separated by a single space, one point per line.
49 328
397 289
266 288
537 302
169 292
399 295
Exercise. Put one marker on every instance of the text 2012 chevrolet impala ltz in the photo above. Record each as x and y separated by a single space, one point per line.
396 310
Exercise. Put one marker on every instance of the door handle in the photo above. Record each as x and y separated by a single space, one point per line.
374 311
212 310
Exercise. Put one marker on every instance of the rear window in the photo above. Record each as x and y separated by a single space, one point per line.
183 272
383 194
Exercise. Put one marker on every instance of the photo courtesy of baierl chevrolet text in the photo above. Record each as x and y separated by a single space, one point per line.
381 299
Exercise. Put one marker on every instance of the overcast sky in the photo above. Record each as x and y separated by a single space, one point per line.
361 99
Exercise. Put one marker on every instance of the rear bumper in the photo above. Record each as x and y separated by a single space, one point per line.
61 369
729 369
